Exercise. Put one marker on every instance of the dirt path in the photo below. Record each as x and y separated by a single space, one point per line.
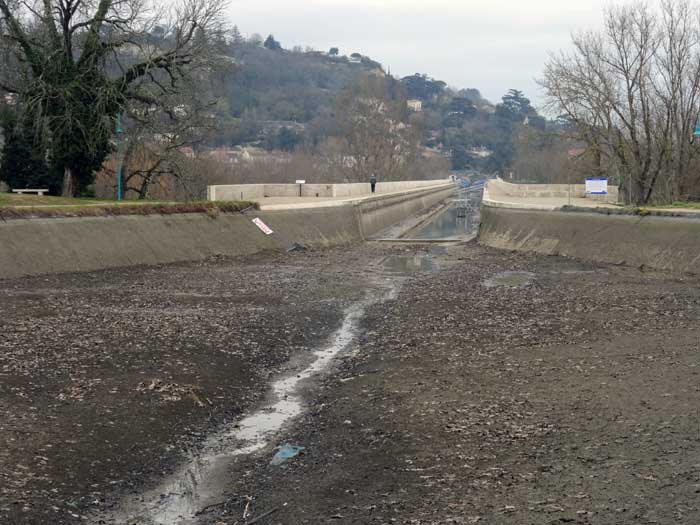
561 393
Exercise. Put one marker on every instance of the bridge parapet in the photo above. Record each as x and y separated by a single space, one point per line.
256 192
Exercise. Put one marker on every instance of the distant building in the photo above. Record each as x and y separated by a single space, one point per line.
247 154
272 127
415 105
480 152
187 151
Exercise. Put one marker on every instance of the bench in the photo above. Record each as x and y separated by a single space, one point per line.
38 192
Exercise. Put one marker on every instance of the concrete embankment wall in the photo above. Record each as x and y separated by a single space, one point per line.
375 215
59 245
259 191
45 246
664 243
537 191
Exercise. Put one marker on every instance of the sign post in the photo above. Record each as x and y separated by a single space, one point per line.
120 132
301 185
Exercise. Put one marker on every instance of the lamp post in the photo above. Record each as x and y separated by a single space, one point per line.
120 132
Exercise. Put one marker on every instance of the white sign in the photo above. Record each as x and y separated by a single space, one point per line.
597 186
263 227
301 182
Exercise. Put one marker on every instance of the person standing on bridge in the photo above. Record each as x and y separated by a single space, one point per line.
373 183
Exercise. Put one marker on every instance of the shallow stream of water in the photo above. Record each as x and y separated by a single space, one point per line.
200 481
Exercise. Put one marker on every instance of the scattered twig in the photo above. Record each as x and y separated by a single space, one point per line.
264 515
206 509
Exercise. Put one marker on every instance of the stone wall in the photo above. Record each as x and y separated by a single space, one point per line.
664 243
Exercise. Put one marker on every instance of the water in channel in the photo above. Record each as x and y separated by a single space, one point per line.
459 221
201 479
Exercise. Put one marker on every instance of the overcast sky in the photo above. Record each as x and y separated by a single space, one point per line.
491 45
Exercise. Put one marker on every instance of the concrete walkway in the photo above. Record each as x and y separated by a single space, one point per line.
496 197
299 203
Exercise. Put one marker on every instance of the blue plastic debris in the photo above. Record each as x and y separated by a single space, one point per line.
284 453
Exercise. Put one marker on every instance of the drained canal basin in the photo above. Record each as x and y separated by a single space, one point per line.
510 280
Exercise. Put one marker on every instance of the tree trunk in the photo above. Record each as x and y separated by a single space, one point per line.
69 183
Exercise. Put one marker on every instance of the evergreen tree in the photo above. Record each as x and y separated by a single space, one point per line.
64 51
21 162
236 37
272 44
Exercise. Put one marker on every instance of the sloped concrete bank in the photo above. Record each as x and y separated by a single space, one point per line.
381 212
663 243
46 246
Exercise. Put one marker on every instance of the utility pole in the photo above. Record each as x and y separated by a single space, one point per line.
120 132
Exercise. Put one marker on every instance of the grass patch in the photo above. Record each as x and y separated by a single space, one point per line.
13 199
679 204
112 209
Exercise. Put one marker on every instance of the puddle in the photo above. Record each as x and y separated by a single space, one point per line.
577 272
410 264
510 280
199 482
439 250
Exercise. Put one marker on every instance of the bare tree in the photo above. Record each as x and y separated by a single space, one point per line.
632 92
80 63
160 138
378 139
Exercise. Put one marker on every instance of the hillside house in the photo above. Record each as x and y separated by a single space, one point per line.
415 105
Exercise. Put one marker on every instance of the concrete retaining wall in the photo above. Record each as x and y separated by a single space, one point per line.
539 191
45 246
663 243
378 214
258 191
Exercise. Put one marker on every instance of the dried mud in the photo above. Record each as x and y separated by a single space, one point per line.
569 396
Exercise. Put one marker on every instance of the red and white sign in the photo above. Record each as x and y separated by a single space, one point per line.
263 227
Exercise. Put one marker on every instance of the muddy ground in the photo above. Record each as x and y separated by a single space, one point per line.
566 393
106 378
